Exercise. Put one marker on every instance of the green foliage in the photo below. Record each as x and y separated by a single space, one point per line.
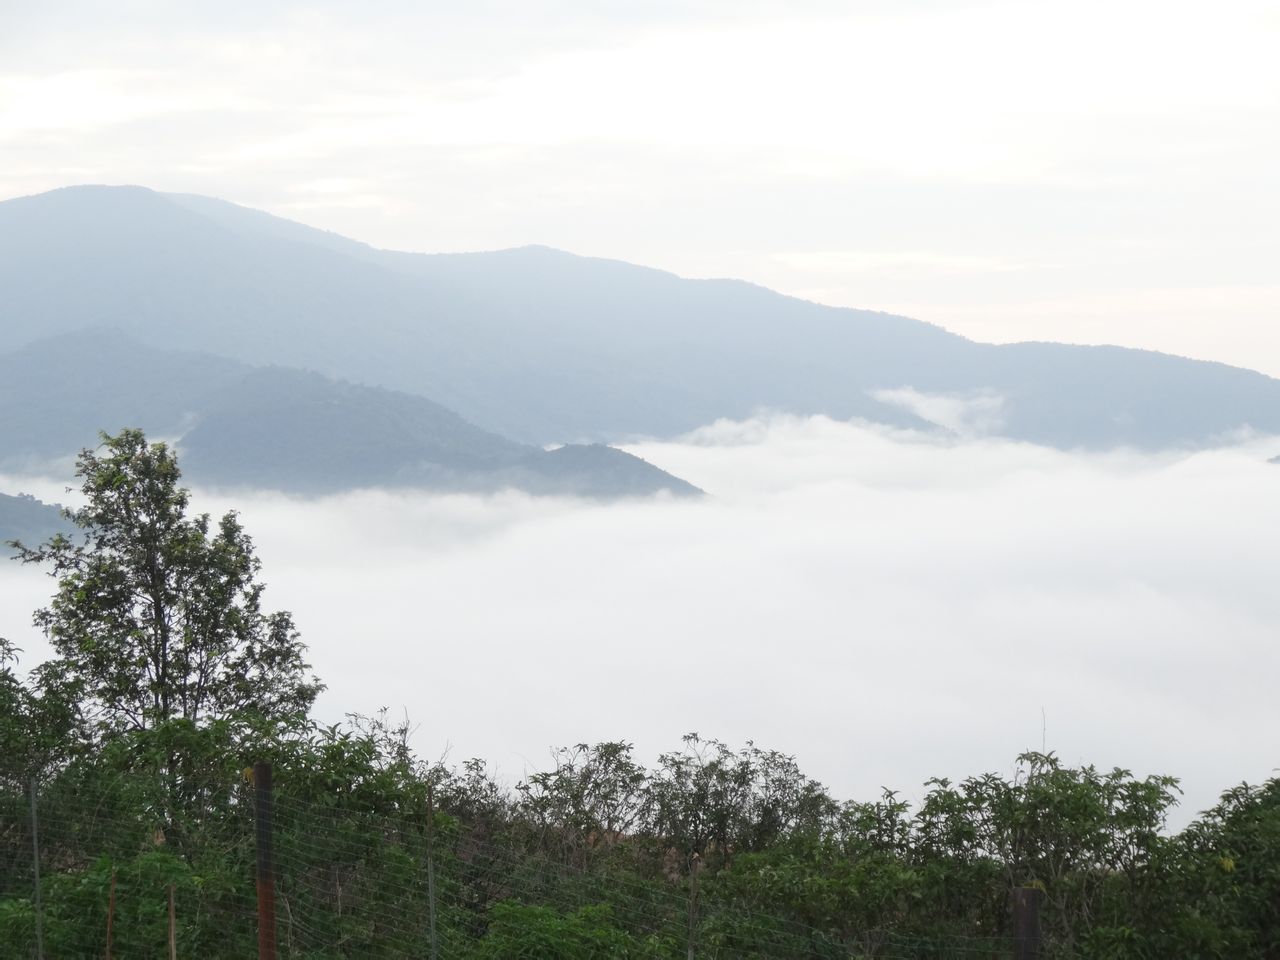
156 616
1224 899
516 875
37 727
710 801
589 933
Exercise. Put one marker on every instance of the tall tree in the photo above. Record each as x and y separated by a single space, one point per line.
157 616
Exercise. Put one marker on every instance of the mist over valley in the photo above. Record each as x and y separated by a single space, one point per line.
889 604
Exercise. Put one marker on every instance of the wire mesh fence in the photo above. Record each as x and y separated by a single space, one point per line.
117 876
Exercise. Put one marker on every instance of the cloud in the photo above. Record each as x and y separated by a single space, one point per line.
888 606
972 414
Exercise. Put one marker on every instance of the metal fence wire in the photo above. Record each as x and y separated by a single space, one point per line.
274 875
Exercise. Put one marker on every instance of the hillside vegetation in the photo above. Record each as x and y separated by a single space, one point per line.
280 428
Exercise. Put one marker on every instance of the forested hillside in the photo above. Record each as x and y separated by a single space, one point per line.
23 517
546 347
280 428
126 776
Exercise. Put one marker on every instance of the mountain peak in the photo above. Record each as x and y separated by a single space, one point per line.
541 345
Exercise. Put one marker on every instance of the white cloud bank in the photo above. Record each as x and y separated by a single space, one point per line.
885 606
970 414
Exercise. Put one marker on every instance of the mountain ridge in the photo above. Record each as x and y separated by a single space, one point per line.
31 521
546 347
278 428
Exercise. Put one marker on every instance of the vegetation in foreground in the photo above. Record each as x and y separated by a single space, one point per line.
170 680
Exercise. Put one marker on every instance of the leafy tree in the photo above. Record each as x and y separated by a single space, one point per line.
710 801
589 801
1224 897
1080 834
587 933
157 616
25 734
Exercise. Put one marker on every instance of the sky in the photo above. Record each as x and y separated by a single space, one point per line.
887 606
1079 171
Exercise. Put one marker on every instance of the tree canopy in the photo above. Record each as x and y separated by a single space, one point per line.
158 615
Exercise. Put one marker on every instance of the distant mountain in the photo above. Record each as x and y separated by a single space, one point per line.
547 347
25 518
292 430
57 393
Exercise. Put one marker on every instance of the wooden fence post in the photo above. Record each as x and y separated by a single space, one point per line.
431 869
695 868
266 873
173 928
111 910
1026 923
35 855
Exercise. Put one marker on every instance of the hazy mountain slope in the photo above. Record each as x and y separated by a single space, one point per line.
533 343
1118 396
544 346
25 518
591 470
57 393
297 430
300 431
599 348
131 259
276 427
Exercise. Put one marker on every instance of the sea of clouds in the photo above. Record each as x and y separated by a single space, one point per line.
888 606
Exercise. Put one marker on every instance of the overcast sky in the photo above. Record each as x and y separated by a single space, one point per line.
1078 170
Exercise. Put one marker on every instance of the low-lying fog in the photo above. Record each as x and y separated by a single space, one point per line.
888 607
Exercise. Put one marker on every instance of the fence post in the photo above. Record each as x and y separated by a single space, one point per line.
266 874
111 910
1026 923
35 854
431 869
695 867
173 928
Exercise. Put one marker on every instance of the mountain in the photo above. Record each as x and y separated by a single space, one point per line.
546 347
293 430
25 518
57 393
